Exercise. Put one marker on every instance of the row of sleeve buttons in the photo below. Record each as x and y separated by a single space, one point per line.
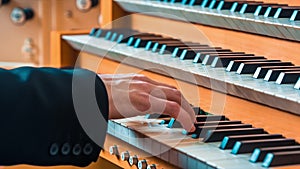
66 149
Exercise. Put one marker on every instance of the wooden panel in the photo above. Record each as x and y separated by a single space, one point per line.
62 54
290 2
110 11
237 41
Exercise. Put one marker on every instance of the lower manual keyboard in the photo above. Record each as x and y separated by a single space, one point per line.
183 151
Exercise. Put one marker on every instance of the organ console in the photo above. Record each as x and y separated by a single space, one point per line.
235 61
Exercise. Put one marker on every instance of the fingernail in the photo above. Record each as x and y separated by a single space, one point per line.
193 129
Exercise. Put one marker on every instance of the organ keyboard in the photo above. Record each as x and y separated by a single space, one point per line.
284 96
260 69
253 137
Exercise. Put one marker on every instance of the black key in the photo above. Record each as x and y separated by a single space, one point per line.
208 59
199 111
261 72
127 38
237 6
133 39
206 3
286 11
173 123
261 9
199 58
157 44
202 130
178 51
248 146
229 141
93 31
226 5
101 33
295 16
250 7
281 158
224 61
166 121
271 10
288 77
250 67
116 34
214 123
273 74
259 154
143 41
201 118
234 64
213 4
191 54
218 135
196 2
168 48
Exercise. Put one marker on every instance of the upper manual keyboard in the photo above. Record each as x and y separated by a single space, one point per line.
270 19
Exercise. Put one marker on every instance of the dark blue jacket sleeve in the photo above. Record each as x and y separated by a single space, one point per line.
39 122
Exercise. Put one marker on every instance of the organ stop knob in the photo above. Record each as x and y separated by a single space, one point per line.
3 2
113 150
142 164
20 15
86 5
125 156
152 166
133 160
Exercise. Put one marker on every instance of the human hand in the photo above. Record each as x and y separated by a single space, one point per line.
134 94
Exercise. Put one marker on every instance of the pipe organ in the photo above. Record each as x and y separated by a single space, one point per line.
223 55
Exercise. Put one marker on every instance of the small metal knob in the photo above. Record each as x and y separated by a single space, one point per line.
152 166
86 5
125 156
113 150
133 160
142 164
19 15
3 2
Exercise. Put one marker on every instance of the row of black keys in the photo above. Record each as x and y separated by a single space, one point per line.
271 149
242 63
258 8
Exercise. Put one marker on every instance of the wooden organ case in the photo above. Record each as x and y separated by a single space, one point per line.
269 31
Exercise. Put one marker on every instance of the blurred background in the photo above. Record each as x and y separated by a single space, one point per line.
26 26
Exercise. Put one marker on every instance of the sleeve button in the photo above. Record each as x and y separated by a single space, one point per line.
54 149
65 149
87 149
76 149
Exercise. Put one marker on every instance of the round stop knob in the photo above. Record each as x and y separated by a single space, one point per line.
142 164
133 160
125 156
152 166
86 5
113 150
20 16
3 2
